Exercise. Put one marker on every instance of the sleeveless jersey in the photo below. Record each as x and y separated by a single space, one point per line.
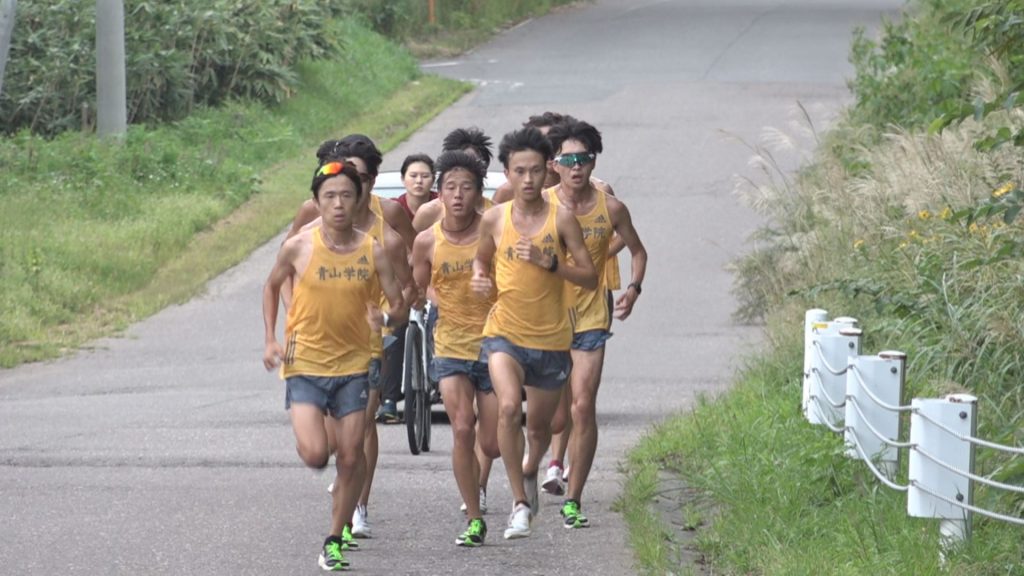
461 312
531 308
591 306
376 231
326 333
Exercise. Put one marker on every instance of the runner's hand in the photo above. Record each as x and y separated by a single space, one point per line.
374 317
624 305
272 355
529 251
481 284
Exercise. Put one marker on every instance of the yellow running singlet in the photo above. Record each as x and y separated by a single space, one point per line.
591 306
462 313
326 333
531 308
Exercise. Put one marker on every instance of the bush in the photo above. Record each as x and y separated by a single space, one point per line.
179 55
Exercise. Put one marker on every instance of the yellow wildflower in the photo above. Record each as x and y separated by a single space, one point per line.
924 214
1002 190
946 213
858 243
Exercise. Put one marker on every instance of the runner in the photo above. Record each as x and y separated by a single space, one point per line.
600 215
472 141
528 332
442 258
336 271
418 178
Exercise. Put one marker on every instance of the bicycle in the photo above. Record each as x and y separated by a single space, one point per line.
420 390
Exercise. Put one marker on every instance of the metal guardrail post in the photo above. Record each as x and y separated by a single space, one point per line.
830 362
884 374
957 412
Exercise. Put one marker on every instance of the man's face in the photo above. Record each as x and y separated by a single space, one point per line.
459 192
364 175
525 173
337 200
574 164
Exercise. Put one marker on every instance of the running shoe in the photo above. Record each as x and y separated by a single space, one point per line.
519 522
348 541
532 496
360 523
387 413
565 475
572 517
331 559
553 481
483 503
474 534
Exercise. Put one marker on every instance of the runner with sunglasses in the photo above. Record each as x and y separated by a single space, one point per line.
442 259
600 215
337 273
528 331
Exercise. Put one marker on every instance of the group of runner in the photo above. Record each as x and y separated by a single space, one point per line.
522 286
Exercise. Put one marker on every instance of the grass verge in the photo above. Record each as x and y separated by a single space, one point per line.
95 236
787 500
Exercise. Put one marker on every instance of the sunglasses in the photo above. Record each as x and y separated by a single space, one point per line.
331 169
578 159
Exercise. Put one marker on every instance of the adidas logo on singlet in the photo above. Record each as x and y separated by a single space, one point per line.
601 219
548 239
363 260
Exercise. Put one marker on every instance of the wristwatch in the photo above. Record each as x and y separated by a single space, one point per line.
635 286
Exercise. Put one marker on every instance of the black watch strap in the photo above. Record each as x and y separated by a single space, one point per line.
635 286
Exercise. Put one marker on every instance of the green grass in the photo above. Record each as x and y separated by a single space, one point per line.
94 235
787 501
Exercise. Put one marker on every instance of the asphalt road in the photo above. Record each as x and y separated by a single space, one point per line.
168 450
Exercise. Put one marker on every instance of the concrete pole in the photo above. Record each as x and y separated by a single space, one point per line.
111 92
7 10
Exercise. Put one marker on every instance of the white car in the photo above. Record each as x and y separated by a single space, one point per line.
389 183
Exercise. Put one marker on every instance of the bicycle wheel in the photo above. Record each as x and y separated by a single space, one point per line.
413 381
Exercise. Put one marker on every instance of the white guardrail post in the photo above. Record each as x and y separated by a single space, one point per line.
813 320
933 487
884 375
828 371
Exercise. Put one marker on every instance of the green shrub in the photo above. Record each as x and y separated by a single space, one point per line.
179 55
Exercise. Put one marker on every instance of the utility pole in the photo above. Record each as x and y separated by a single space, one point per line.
7 10
111 93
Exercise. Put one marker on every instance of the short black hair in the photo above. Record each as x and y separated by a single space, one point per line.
524 139
347 170
359 146
576 130
454 159
462 138
414 158
546 119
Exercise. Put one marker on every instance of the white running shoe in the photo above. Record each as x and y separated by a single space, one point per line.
360 524
553 481
532 496
483 503
519 522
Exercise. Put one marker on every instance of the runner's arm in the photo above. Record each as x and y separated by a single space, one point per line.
284 268
482 283
422 261
427 215
397 218
398 312
623 223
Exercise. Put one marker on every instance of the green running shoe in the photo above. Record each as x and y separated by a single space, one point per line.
331 558
572 517
474 534
348 541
